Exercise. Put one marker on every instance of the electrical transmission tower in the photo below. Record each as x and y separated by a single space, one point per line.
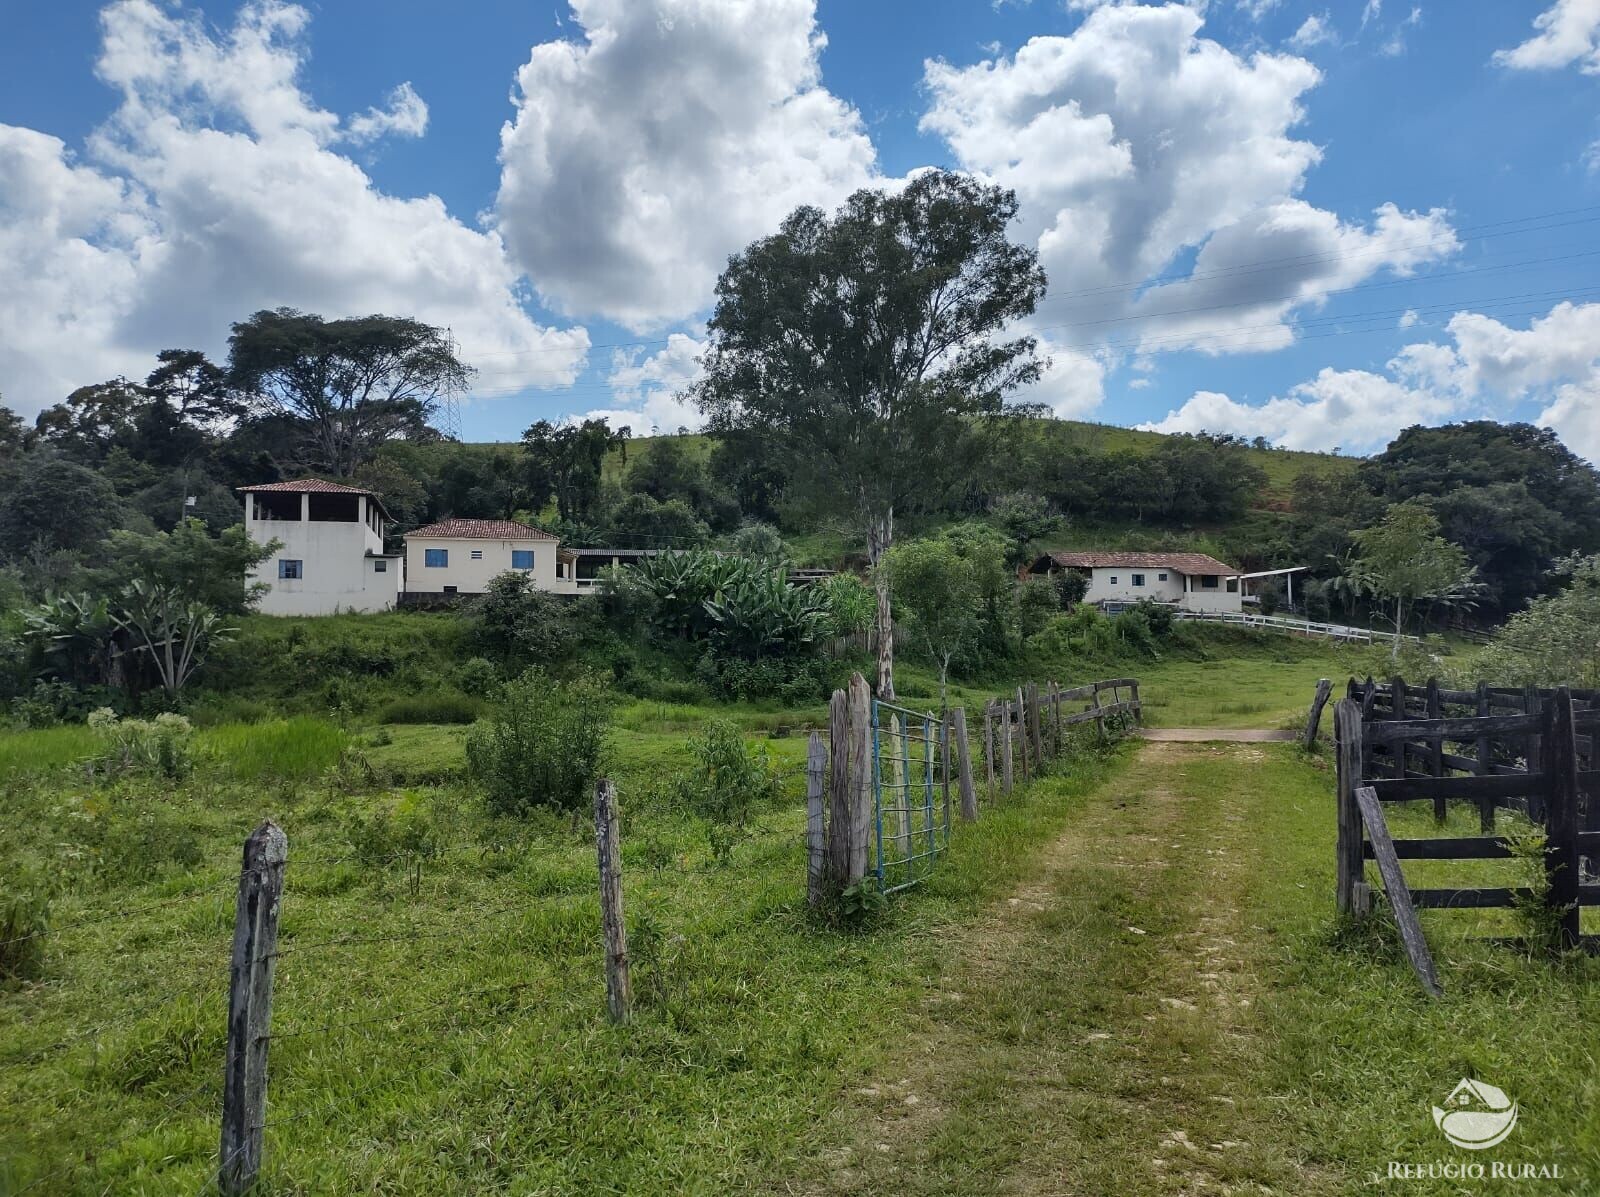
448 417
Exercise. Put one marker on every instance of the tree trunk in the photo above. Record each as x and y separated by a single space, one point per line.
880 535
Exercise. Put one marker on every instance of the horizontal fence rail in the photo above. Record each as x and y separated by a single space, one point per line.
1303 627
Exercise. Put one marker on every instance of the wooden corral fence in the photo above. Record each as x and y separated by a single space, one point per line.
881 790
1524 749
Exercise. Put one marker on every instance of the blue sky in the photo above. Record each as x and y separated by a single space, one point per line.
1312 222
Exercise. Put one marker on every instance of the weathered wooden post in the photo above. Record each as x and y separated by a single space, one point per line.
1133 697
1436 747
1559 764
816 843
841 791
1531 704
255 952
988 745
1006 776
969 792
608 847
1099 715
1399 750
1485 765
1055 714
1022 731
1035 726
1314 716
861 796
1347 739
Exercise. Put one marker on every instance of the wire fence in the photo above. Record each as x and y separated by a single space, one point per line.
910 793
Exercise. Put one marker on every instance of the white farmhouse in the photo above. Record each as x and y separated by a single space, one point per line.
1192 581
332 556
460 556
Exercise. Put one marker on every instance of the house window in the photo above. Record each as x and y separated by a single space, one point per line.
1208 581
436 558
1233 585
289 568
1138 579
449 589
1161 577
380 566
1113 579
477 554
521 558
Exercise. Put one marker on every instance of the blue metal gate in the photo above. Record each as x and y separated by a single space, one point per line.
910 793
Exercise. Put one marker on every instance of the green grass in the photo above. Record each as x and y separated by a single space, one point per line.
1167 1004
497 1071
297 749
45 748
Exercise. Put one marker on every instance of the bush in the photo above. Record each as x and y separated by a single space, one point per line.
163 745
543 744
444 707
478 677
850 603
1037 602
794 681
729 780
515 621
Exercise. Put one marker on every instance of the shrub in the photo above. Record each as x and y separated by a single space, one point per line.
515 621
1071 587
478 677
542 745
1037 602
728 781
163 745
136 844
444 707
850 604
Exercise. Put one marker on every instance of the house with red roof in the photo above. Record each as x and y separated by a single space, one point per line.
1192 581
331 556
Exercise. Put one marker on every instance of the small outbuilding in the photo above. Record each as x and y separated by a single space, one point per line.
1192 581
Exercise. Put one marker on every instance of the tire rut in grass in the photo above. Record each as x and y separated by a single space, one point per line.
1095 1032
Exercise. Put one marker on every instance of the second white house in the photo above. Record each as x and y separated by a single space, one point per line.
1192 581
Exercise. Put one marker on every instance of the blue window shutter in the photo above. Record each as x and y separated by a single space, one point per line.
521 558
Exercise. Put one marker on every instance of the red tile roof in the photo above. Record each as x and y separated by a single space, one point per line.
480 530
316 486
1184 563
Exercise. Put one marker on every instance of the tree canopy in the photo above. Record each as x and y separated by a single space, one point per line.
865 347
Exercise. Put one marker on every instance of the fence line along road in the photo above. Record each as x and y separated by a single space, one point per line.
1305 627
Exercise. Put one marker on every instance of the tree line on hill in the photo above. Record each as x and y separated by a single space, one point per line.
857 377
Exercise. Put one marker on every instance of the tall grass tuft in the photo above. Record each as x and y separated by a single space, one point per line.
295 749
24 921
446 706
46 748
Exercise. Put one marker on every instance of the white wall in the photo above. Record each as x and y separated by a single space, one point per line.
1115 584
336 572
1102 588
469 576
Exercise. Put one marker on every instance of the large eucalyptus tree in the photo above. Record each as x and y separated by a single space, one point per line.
868 348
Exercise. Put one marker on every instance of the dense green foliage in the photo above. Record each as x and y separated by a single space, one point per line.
542 745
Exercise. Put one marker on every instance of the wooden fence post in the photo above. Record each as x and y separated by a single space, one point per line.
1055 715
841 791
608 847
1352 865
816 843
1399 750
1534 751
255 951
1314 716
1559 764
860 819
1006 775
969 792
1485 764
988 745
1035 721
1133 697
1436 748
1022 731
1099 715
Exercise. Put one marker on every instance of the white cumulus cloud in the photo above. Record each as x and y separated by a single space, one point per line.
1313 31
1566 32
1487 369
648 391
406 116
673 134
216 188
1136 147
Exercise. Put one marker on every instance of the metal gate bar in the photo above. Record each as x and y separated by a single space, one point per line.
915 820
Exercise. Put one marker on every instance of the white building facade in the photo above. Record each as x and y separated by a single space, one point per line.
1192 581
331 557
461 556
